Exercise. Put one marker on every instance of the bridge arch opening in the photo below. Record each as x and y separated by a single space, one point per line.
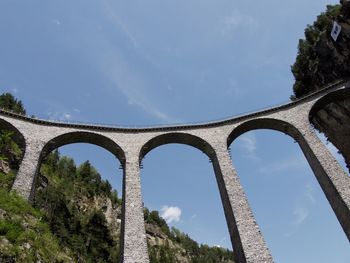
12 149
330 116
293 214
180 184
79 186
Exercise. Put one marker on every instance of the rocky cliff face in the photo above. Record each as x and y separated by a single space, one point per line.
322 60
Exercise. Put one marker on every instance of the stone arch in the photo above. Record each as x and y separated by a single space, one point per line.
314 152
17 136
330 115
340 94
208 149
180 138
84 137
265 123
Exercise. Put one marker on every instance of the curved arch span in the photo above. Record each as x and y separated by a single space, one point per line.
338 95
180 138
84 137
264 123
331 115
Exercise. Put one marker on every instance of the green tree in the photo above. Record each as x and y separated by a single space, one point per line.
320 59
9 102
97 230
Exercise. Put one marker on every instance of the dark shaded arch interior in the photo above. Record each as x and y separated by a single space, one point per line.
338 95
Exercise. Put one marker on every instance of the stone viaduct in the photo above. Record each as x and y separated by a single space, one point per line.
130 145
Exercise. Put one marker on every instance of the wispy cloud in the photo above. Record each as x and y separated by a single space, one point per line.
237 20
247 142
309 193
233 89
301 213
62 115
56 22
134 88
119 23
58 115
294 162
171 213
129 79
302 208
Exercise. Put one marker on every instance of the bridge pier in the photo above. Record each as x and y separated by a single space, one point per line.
334 182
134 243
247 240
24 183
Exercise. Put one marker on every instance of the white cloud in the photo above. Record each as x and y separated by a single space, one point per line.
171 213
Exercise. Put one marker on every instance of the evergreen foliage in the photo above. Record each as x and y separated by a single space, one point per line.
10 103
320 59
9 149
86 233
189 248
27 235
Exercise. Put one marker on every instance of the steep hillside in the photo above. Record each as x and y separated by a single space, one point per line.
322 60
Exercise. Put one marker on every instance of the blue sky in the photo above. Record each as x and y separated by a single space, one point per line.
135 63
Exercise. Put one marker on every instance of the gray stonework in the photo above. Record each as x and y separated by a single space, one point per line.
130 145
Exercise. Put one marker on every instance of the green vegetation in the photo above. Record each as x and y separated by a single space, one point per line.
10 103
9 149
320 59
24 235
182 245
83 230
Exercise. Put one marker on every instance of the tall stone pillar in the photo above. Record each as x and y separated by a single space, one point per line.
24 183
334 182
134 242
247 240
